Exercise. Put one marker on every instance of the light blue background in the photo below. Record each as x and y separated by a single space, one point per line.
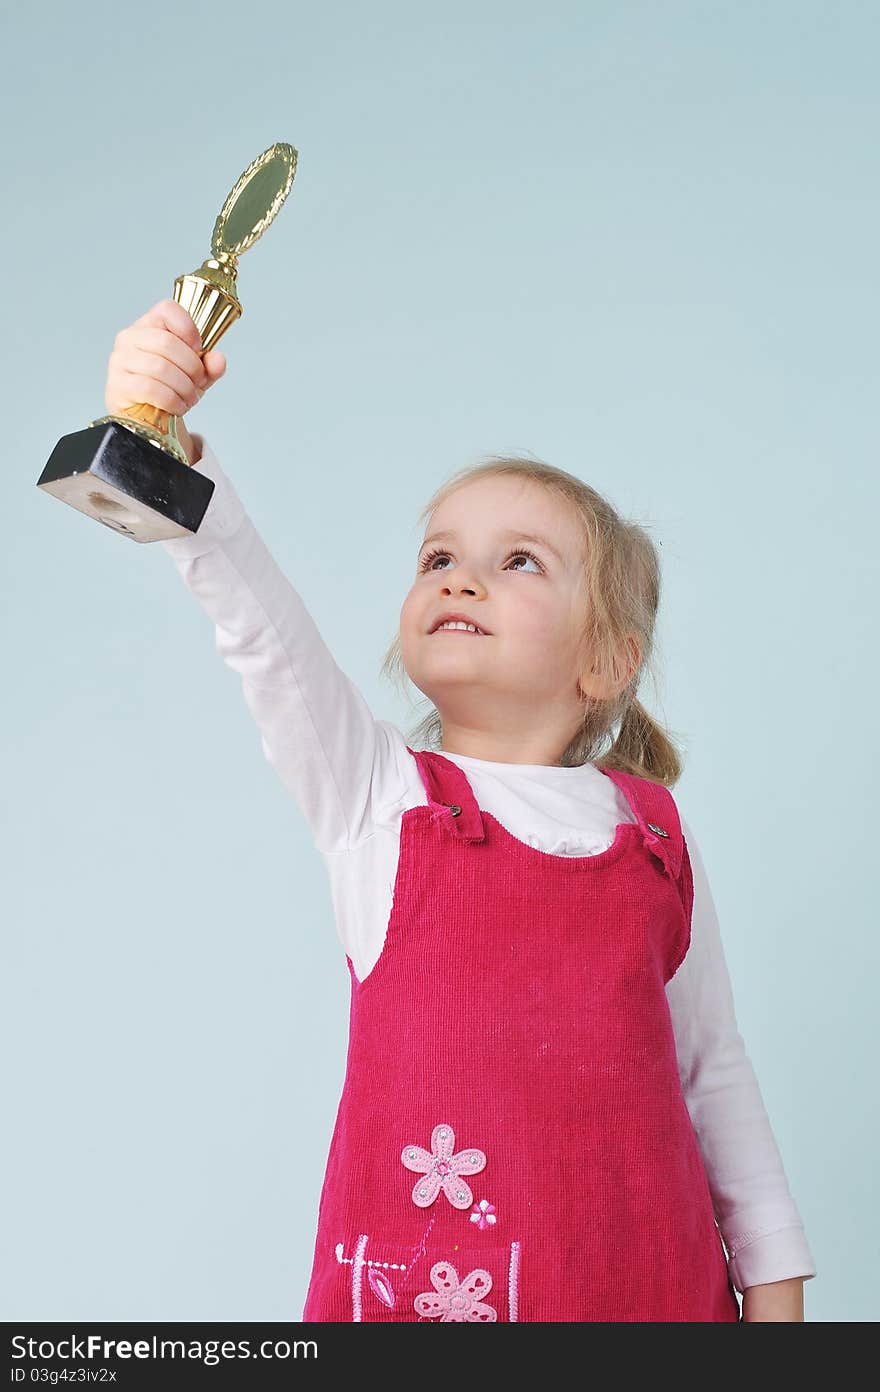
637 239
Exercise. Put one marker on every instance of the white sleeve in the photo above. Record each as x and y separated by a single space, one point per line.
756 1214
316 729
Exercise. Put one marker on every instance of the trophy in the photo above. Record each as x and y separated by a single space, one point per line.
130 471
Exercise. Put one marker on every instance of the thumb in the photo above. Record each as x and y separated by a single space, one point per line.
214 363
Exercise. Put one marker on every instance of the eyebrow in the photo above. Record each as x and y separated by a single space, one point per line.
511 535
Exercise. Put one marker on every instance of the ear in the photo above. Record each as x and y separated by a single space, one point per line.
624 668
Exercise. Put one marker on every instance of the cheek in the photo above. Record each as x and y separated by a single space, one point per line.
410 623
542 626
407 611
535 616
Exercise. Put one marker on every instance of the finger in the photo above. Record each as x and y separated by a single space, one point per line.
161 357
165 343
214 364
141 388
168 314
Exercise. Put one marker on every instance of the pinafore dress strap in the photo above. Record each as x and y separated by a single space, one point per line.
450 795
657 816
660 825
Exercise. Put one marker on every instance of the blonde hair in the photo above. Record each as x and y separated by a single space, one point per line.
620 586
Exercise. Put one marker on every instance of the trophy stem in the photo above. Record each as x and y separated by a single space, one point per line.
210 297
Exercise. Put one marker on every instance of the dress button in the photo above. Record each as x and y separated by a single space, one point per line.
454 809
659 830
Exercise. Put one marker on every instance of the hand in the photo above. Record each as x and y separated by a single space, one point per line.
158 360
777 1301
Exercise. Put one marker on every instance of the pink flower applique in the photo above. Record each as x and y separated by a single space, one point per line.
442 1169
483 1214
454 1300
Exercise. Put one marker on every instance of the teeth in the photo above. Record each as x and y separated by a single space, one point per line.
458 623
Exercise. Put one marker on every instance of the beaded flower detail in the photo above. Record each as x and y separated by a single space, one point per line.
442 1169
483 1214
457 1301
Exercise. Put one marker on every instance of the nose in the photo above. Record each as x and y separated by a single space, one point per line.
466 585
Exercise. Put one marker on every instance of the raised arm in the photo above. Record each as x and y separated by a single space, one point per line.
316 729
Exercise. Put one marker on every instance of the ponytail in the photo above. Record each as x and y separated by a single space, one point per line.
643 747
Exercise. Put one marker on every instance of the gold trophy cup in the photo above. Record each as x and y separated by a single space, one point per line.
130 471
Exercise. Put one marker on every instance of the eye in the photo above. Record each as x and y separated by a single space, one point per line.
425 563
531 556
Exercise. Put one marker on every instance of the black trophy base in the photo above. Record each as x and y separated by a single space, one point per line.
121 479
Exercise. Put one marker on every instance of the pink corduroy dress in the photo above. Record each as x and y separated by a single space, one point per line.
512 1140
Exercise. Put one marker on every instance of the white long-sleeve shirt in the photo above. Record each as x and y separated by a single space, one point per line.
353 779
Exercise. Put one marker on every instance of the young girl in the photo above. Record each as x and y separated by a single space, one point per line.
548 1112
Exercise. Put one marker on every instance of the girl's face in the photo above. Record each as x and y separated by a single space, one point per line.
507 554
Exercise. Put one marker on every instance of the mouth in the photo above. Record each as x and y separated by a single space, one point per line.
472 632
454 621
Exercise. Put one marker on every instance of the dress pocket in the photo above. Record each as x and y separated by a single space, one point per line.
448 1282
